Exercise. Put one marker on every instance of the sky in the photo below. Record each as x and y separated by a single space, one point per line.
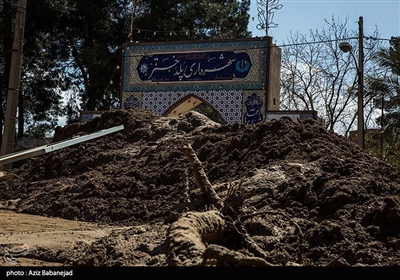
305 15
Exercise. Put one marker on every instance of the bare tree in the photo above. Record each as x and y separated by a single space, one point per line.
317 75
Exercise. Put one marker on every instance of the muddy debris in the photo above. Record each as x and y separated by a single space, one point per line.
276 193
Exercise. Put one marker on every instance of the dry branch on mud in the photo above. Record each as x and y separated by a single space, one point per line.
201 177
187 237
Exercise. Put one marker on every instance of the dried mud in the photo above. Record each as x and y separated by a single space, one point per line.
310 197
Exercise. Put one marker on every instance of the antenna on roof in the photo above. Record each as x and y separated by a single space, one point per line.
265 10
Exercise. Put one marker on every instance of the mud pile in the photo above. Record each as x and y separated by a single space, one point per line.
309 196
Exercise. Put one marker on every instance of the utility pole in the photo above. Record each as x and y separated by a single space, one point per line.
346 47
361 135
7 144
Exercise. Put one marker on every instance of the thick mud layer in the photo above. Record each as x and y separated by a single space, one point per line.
309 197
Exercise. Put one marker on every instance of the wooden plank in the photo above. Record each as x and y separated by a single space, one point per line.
185 106
9 158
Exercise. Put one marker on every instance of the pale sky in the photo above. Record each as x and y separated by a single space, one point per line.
306 15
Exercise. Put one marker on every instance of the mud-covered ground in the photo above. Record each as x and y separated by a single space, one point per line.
310 197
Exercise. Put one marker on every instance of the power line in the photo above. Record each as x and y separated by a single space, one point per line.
329 41
315 42
373 38
11 2
170 32
299 44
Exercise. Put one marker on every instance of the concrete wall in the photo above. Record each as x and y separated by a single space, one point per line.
274 77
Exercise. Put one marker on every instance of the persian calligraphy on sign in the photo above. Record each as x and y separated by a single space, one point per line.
201 66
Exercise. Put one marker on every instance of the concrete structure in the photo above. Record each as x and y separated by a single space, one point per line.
85 116
291 115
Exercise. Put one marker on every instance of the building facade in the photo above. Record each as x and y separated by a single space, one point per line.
237 78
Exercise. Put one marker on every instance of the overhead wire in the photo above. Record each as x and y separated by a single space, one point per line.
139 30
11 2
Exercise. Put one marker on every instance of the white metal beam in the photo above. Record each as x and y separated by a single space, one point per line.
9 158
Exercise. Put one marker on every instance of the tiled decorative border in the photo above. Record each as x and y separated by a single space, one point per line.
232 105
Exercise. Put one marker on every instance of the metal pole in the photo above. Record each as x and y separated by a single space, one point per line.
266 18
382 123
16 156
7 144
360 84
